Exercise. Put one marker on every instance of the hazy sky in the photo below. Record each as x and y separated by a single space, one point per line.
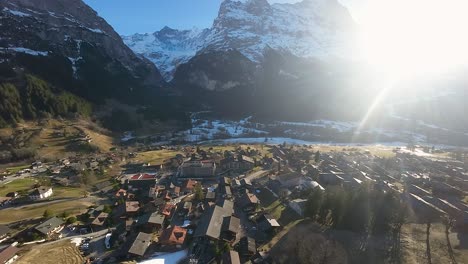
128 17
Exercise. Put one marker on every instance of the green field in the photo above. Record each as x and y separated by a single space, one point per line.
67 192
17 185
156 157
15 169
11 215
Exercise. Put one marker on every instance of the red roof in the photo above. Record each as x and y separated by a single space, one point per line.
190 184
8 253
143 177
173 236
167 209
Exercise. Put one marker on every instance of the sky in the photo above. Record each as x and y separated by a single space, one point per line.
147 16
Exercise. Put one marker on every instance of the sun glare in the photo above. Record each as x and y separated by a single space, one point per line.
404 38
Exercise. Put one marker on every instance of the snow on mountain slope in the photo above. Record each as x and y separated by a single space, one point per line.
167 47
320 29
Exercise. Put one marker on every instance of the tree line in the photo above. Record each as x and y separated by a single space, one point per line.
37 99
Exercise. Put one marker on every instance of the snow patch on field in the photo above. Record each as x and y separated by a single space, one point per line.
77 241
213 129
338 125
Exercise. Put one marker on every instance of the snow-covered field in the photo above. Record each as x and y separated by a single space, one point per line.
218 129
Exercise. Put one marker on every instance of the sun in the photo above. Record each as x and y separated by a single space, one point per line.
405 38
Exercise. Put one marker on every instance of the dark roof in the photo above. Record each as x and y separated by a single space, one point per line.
49 225
247 245
140 244
8 253
227 204
248 199
231 257
4 230
211 222
231 224
156 218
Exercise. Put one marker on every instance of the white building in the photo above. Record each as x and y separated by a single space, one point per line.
41 192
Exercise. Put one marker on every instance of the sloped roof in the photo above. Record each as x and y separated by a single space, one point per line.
231 223
8 253
174 235
231 257
211 222
49 225
140 244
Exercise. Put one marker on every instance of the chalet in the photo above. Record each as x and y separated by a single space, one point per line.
227 204
8 254
151 222
248 201
238 163
217 223
188 186
414 189
271 164
231 257
140 245
247 247
230 227
225 181
131 208
50 226
290 180
422 208
167 209
267 223
245 183
141 182
100 220
298 205
41 192
173 237
330 178
442 188
445 206
200 169
225 191
352 183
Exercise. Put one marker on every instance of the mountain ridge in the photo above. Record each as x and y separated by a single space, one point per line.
310 29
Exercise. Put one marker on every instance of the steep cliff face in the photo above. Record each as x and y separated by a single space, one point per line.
67 44
318 29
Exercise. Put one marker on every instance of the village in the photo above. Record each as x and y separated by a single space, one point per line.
225 204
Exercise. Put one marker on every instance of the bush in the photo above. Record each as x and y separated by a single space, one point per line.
71 220
47 213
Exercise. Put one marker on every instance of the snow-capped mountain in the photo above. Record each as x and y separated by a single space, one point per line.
321 29
168 47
